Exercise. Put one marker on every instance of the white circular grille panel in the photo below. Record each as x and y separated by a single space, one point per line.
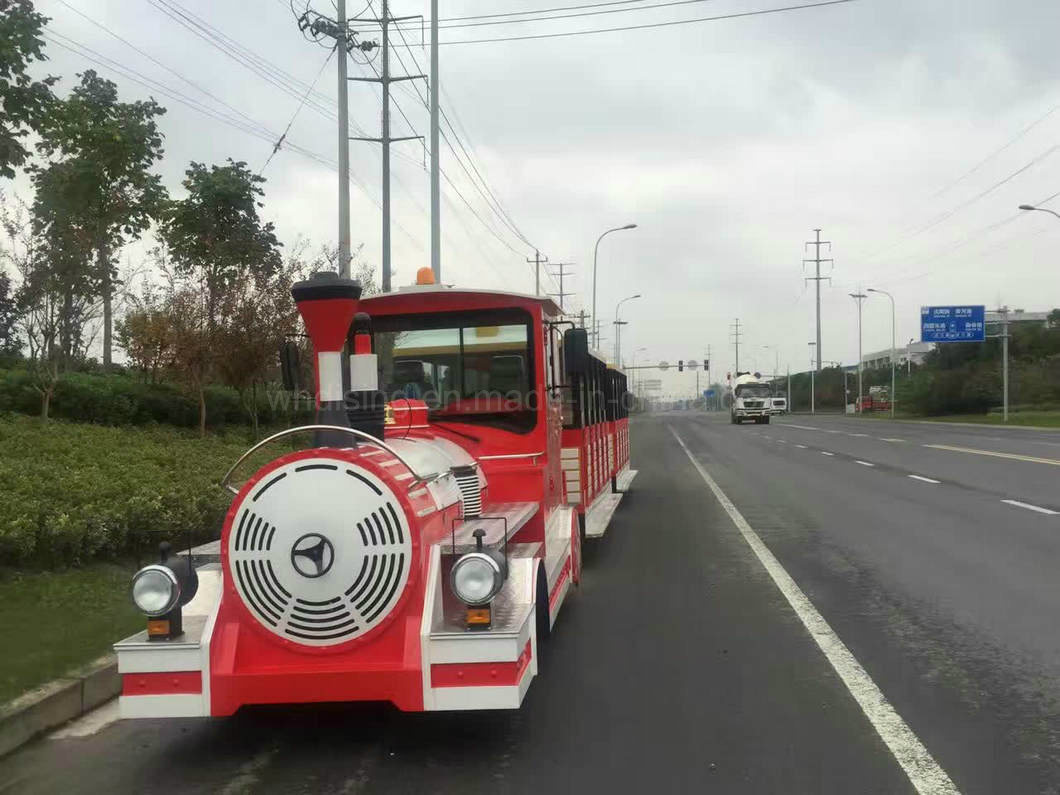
319 551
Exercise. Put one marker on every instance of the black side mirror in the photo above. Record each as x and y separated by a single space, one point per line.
290 365
575 350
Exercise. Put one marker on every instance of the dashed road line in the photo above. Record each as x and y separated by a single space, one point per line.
804 427
801 446
825 452
924 773
994 453
782 441
889 439
857 434
924 479
864 463
1029 507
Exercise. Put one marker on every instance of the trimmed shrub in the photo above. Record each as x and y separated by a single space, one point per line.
73 492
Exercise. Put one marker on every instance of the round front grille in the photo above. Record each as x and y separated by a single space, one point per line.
319 551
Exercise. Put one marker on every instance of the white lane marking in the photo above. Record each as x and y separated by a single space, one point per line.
767 437
864 463
782 441
829 430
1014 456
801 446
804 427
921 477
89 723
886 439
1030 507
825 452
925 774
857 434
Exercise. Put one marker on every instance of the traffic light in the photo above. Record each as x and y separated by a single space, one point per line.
680 365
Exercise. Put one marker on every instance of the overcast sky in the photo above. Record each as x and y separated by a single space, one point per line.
727 142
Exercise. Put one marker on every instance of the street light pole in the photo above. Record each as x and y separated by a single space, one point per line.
596 250
618 330
909 357
1039 209
859 297
884 292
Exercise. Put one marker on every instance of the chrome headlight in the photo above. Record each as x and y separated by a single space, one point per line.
476 578
155 590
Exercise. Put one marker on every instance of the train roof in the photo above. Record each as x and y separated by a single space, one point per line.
443 298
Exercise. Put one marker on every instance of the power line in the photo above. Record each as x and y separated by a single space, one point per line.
669 4
287 129
646 26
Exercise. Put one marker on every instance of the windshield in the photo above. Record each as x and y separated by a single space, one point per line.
468 367
752 390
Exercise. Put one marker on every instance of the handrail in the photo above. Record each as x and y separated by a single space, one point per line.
509 456
417 478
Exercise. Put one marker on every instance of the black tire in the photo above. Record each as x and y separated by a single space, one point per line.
765 420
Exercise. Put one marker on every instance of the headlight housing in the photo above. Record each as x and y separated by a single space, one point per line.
155 590
476 578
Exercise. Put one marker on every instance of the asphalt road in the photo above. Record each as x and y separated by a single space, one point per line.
679 666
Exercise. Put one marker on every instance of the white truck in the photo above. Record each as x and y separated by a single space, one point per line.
752 399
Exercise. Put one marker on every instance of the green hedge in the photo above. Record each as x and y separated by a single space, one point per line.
73 492
123 399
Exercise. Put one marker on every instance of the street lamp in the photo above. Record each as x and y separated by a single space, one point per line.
618 330
884 292
909 357
859 297
596 251
1039 209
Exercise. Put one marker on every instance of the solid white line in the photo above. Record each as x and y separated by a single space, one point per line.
1030 507
921 477
1014 456
801 446
825 452
864 463
925 774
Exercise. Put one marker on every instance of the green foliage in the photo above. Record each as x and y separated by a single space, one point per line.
96 191
121 399
23 101
74 492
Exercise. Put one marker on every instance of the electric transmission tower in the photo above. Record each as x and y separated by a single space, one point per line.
817 278
561 274
735 334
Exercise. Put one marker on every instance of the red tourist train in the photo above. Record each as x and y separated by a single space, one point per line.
424 544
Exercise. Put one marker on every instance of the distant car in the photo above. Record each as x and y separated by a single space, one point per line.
779 405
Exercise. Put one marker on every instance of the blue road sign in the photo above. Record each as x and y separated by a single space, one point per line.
708 393
952 323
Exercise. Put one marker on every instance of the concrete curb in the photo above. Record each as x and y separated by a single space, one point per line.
58 702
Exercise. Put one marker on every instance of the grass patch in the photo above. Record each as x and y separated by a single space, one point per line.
56 621
1041 419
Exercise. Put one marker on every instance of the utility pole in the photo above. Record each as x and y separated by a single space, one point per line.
706 367
1003 311
817 278
537 260
561 273
384 78
344 151
318 26
734 331
582 316
859 297
813 372
436 154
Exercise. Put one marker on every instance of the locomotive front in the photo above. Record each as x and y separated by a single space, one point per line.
358 569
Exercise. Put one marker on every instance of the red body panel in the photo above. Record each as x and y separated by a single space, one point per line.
162 683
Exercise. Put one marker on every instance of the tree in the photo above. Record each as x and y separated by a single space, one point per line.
24 101
215 236
104 190
146 333
9 342
228 264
